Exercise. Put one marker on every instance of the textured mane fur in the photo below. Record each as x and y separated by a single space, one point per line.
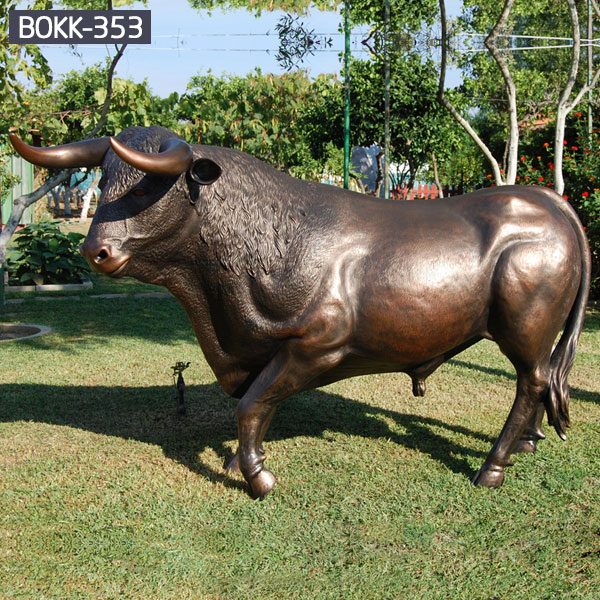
250 215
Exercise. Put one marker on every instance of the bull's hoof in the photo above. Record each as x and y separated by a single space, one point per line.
261 484
489 476
525 446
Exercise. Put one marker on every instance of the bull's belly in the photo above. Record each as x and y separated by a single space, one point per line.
412 342
354 366
397 337
403 330
417 302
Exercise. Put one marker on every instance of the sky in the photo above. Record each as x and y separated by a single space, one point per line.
187 42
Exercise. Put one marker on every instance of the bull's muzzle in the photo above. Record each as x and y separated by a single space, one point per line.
104 257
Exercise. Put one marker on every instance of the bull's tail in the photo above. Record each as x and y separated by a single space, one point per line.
563 355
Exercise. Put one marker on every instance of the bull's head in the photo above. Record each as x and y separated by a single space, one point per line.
143 168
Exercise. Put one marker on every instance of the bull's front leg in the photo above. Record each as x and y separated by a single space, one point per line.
287 373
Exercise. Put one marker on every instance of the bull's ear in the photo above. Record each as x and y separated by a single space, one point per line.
205 171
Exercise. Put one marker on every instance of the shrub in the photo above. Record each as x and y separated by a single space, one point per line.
43 254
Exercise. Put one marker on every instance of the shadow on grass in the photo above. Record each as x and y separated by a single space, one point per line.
149 415
576 393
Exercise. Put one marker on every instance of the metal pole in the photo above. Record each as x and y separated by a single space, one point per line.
590 60
386 143
347 93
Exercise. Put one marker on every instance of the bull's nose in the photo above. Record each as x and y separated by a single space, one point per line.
103 257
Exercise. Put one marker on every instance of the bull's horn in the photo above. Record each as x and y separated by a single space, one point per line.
88 153
174 157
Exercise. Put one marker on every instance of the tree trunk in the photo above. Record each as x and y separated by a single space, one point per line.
564 106
67 201
54 196
436 176
23 202
511 92
451 108
412 173
88 196
380 170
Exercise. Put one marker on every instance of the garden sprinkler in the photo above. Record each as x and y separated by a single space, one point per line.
179 383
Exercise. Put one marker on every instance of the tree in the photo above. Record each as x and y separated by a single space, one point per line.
526 84
285 119
257 6
500 59
418 124
36 69
408 16
18 65
569 99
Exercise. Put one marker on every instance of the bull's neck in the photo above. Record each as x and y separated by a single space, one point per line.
190 274
246 232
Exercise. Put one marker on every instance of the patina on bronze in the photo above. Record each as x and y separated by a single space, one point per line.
292 284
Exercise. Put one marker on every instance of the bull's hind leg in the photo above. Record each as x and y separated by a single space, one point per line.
531 387
530 303
533 432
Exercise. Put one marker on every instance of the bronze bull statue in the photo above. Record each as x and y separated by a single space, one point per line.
291 284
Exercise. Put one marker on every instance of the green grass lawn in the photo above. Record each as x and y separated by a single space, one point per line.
105 492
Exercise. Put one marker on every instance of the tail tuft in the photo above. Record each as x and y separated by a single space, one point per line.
557 398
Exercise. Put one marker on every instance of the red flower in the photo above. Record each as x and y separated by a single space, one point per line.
546 144
585 194
522 159
574 148
540 179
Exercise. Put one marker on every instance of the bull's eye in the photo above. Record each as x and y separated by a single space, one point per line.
139 192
